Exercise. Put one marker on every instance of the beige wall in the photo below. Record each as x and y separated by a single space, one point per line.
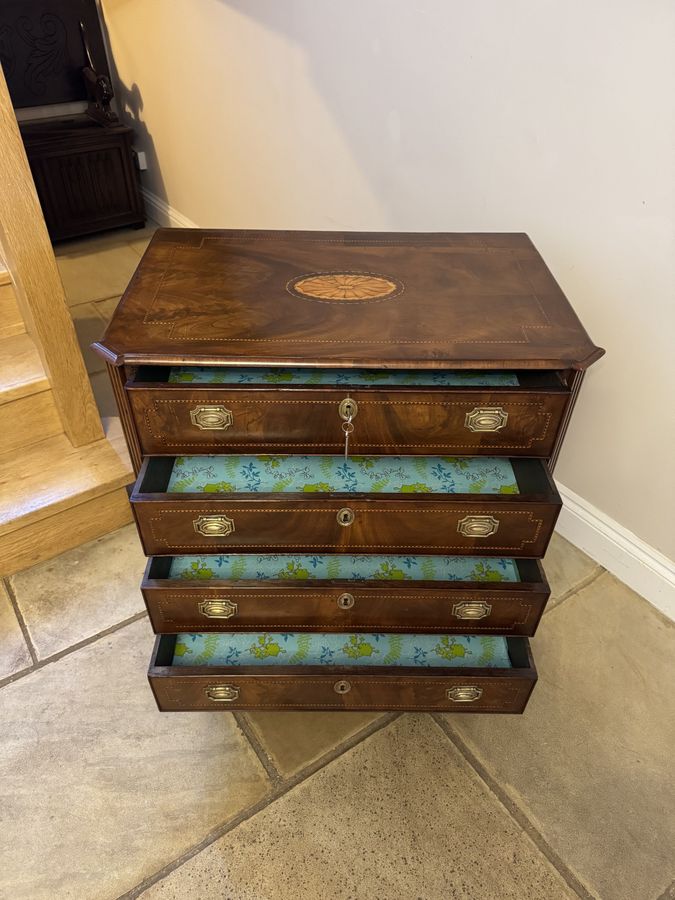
549 117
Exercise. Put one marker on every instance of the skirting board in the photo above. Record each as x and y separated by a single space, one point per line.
159 211
641 567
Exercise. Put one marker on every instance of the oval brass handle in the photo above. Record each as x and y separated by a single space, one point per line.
345 516
486 418
211 418
477 526
342 687
218 609
214 526
464 693
345 601
471 609
222 693
348 409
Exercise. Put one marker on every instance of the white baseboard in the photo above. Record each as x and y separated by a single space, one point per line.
159 211
624 554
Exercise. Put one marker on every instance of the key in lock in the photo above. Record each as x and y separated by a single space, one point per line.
347 409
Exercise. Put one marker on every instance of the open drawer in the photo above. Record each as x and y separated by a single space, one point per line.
328 671
239 410
484 506
344 592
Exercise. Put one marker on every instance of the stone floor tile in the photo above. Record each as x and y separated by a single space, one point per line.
91 243
95 272
591 760
295 739
14 654
89 327
97 788
140 241
400 816
82 592
669 893
103 394
566 567
105 308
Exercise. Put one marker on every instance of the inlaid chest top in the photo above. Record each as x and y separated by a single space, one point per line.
344 299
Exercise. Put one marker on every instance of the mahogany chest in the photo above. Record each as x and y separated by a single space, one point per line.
343 445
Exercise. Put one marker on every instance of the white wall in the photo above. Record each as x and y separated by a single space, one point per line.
553 117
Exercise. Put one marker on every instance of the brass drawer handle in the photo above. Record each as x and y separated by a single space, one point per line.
211 418
345 601
214 526
345 516
486 418
464 693
478 526
471 609
348 409
342 687
222 693
218 609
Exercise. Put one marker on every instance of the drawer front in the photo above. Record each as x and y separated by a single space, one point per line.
493 527
471 690
182 604
178 419
343 608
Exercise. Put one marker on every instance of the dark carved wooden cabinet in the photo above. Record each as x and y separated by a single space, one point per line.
84 175
53 52
343 445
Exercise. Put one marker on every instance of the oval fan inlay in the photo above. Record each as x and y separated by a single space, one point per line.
345 287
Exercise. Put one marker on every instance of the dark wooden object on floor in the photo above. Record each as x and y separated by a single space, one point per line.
332 300
84 174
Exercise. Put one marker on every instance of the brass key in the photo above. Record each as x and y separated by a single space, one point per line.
347 427
347 410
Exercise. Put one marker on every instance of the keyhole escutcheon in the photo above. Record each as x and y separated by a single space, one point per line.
345 516
348 409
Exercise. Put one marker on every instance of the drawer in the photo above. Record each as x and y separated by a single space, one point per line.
482 506
206 410
299 671
343 592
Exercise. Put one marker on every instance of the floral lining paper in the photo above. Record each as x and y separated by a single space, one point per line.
335 474
264 649
361 377
342 566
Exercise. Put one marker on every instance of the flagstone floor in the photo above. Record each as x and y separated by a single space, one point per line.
101 796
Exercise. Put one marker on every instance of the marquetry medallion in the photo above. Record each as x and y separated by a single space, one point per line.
345 287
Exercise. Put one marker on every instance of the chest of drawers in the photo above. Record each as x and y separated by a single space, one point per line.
343 445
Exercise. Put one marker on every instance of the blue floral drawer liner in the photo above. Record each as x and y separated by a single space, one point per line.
264 649
361 377
335 474
342 566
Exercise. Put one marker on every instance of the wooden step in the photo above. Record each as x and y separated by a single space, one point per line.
28 421
27 410
54 496
21 371
10 317
11 321
47 538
